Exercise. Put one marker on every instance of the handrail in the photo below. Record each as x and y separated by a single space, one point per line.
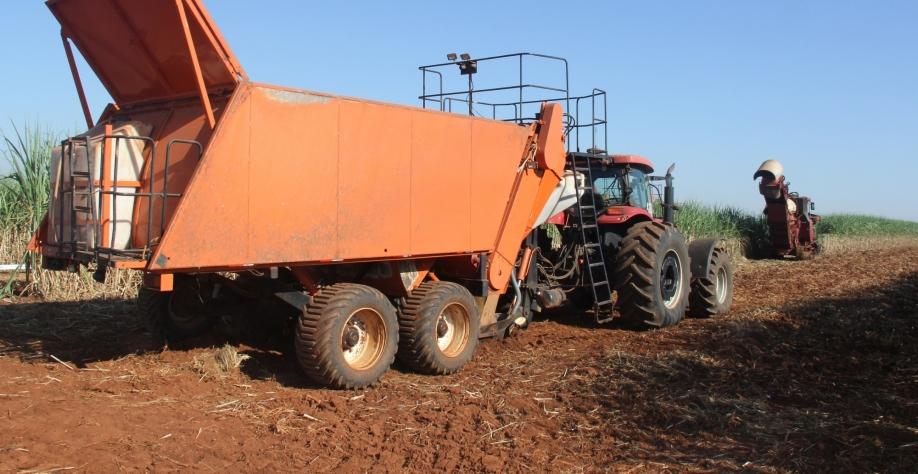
588 111
102 246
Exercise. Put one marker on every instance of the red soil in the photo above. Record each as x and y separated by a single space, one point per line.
816 368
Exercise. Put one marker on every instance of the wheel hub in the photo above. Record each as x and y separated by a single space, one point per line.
351 336
720 285
363 338
671 279
452 330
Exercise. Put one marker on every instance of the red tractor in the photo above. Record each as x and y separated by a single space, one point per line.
656 275
599 247
791 225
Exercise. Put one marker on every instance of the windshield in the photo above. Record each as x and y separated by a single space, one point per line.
611 184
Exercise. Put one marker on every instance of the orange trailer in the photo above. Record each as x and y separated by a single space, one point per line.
361 214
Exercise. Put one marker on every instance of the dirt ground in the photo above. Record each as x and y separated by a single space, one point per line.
815 369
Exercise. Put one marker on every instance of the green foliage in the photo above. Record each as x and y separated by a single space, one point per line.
24 192
858 224
702 220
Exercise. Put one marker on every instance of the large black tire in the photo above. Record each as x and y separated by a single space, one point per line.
712 294
348 337
179 314
652 275
438 328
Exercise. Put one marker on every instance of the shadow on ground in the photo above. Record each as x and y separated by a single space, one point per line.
820 384
85 332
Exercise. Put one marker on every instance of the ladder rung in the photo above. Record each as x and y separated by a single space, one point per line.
82 209
79 174
601 283
590 226
587 207
603 302
591 245
597 264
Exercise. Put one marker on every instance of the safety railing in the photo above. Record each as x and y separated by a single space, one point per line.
96 197
586 116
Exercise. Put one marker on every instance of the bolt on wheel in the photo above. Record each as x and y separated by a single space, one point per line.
453 329
362 338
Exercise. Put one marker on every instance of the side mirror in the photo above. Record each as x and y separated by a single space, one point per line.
812 206
671 169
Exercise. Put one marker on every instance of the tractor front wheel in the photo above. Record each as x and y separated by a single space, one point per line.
652 275
712 294
348 337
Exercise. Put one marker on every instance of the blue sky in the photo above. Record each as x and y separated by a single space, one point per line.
830 88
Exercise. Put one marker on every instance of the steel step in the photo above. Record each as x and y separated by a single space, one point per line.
605 320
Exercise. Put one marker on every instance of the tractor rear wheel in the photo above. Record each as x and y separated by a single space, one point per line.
348 337
184 312
713 294
438 328
652 275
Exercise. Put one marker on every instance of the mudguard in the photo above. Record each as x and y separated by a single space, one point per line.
700 252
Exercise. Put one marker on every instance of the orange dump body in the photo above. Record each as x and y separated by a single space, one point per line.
295 176
263 176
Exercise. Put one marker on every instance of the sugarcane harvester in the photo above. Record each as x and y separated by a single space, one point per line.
388 231
791 222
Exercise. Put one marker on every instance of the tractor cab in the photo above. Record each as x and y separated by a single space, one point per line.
622 188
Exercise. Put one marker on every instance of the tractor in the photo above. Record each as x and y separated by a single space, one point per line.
615 253
607 250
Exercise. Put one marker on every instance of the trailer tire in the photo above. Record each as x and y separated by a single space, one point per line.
438 328
348 337
652 275
178 314
712 294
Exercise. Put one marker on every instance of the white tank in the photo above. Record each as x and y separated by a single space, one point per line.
130 168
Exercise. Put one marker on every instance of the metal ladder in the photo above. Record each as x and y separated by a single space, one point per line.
594 260
88 190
